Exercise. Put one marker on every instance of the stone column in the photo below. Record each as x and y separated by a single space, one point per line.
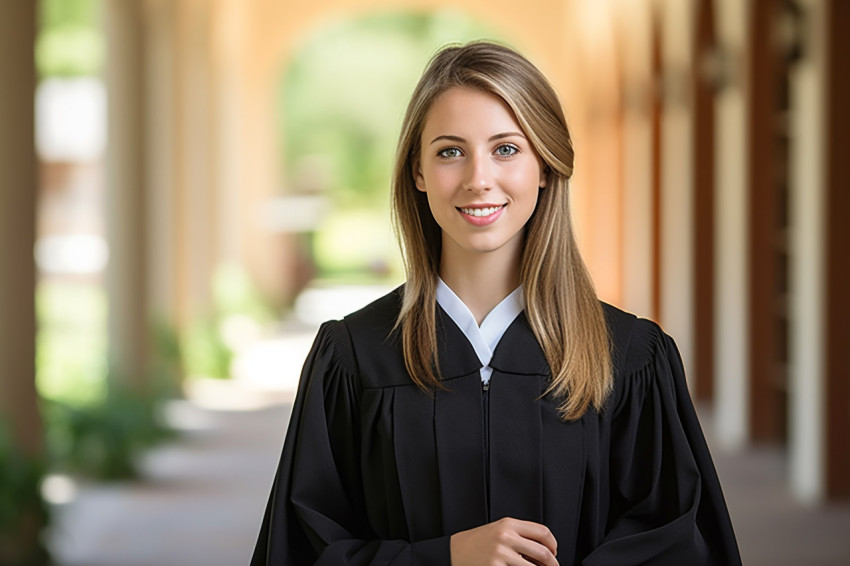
161 158
730 232
18 205
196 206
818 378
18 196
126 172
676 206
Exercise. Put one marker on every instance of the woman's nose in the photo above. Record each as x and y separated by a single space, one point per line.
478 176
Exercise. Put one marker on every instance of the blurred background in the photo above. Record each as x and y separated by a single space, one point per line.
189 187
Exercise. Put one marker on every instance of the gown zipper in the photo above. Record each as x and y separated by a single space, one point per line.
485 406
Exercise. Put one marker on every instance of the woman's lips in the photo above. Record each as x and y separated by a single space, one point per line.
481 215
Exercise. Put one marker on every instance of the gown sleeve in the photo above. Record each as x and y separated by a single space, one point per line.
316 512
666 504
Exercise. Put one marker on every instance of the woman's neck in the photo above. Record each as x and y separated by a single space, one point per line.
480 280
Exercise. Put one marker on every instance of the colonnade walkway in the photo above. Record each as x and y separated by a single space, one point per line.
202 495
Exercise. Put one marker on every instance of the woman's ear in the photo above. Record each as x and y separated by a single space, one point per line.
544 175
417 176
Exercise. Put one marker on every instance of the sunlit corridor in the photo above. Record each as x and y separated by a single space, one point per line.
189 188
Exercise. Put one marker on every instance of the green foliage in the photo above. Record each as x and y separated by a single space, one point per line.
206 353
167 364
72 345
352 240
104 440
342 100
23 513
207 350
81 12
70 42
235 294
71 342
94 426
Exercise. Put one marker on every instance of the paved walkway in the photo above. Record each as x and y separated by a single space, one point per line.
203 495
200 504
772 528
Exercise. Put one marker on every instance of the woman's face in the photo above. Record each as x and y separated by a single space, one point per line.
479 171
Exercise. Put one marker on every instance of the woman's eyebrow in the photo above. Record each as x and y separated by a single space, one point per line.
491 138
506 135
449 138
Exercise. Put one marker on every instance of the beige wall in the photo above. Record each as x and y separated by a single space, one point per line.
634 27
595 112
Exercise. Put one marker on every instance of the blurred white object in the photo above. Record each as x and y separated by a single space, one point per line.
295 213
316 305
58 489
78 253
70 123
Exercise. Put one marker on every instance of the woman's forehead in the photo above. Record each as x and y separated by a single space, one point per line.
463 111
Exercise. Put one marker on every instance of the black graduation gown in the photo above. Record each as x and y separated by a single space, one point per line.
376 471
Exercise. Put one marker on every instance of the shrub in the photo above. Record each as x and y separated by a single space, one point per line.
104 440
23 513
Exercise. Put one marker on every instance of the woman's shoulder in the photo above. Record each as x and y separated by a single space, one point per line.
644 356
375 342
634 340
379 315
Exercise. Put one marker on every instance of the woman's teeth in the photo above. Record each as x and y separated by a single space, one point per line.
481 211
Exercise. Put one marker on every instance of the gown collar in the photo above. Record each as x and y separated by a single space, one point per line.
486 337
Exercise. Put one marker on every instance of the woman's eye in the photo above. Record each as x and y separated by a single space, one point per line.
449 152
506 150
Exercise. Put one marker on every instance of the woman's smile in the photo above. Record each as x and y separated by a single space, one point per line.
481 214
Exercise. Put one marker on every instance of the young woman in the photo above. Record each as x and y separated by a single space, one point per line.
492 410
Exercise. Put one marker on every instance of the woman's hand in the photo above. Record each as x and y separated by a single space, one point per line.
506 542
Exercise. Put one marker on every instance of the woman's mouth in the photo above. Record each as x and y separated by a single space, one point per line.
481 215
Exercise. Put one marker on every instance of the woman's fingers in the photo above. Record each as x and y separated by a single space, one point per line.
506 542
534 552
536 532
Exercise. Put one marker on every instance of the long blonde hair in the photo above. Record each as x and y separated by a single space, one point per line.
561 304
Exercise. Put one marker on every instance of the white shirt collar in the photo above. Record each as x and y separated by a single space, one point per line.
484 338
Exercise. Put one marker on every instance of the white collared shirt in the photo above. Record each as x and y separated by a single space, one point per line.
484 338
